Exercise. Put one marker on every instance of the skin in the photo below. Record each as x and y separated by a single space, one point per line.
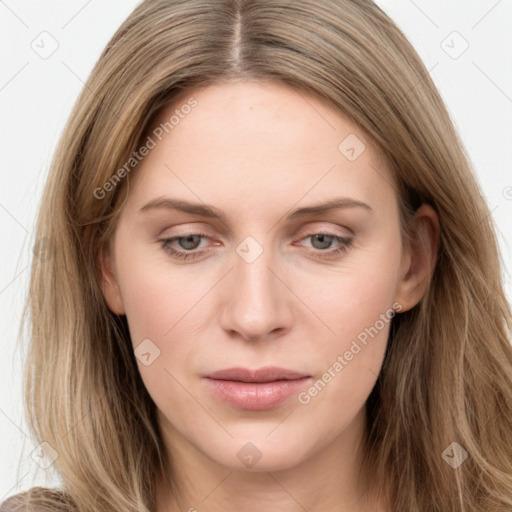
256 151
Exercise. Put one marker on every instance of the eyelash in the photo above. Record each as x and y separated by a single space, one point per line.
345 244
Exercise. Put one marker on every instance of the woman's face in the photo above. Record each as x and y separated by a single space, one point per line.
260 278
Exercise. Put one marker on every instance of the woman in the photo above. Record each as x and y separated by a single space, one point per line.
274 282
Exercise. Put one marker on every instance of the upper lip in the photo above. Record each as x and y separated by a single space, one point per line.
266 374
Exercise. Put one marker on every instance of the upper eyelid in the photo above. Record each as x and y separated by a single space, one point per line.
308 230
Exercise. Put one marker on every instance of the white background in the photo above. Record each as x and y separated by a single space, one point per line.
36 96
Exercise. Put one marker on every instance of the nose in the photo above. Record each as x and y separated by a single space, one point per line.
257 303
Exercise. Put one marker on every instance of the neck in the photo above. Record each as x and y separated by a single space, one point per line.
327 480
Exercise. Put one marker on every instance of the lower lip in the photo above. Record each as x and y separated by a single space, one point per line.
256 396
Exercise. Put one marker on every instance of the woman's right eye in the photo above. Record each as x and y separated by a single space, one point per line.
189 240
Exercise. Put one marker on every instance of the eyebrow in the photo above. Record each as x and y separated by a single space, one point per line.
208 211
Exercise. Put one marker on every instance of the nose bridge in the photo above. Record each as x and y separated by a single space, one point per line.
256 302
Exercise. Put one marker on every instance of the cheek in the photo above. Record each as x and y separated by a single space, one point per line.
161 306
351 363
352 297
158 295
356 305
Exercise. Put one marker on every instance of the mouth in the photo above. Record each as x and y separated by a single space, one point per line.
260 389
266 374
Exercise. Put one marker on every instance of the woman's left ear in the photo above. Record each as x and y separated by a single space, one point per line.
419 258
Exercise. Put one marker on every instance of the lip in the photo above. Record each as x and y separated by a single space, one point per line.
265 374
259 389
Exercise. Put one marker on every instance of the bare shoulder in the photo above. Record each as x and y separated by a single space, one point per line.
38 499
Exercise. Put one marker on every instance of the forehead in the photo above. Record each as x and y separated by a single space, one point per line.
274 112
259 140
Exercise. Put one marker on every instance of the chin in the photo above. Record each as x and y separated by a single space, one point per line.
258 455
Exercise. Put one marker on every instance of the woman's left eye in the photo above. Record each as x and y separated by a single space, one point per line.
190 242
343 244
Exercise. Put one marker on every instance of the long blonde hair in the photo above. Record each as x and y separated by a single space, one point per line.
447 374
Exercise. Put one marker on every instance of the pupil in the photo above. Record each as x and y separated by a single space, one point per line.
325 239
189 240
